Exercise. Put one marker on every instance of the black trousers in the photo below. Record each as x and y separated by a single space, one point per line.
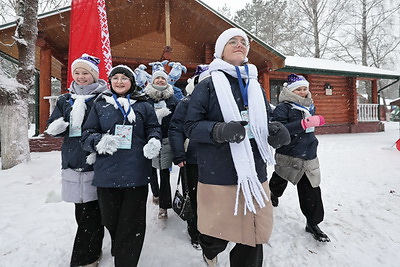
155 188
89 235
164 191
240 256
192 179
309 197
123 213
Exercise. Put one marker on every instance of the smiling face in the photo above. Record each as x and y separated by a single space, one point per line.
301 91
82 77
160 81
235 51
120 83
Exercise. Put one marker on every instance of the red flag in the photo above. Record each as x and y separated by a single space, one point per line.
89 34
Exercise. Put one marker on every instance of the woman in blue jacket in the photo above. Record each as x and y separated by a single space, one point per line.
123 134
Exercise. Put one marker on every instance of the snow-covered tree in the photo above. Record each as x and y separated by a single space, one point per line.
14 93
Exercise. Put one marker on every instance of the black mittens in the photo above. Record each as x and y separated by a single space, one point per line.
233 131
278 134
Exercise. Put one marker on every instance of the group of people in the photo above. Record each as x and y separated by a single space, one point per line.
223 132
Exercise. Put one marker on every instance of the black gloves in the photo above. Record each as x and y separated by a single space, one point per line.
278 134
233 131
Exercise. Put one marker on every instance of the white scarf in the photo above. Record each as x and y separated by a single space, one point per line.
242 153
125 103
78 109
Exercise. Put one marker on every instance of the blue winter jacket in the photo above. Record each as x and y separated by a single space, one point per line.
126 167
177 136
303 145
214 159
171 103
72 154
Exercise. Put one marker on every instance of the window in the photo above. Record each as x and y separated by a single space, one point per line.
276 88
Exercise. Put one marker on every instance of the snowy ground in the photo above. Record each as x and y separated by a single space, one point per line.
360 189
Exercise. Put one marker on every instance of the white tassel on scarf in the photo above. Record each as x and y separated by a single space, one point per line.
242 153
78 109
125 103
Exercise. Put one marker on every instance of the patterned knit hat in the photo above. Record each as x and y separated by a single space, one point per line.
88 63
295 81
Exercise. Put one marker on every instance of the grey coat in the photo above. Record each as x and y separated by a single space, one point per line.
292 169
77 186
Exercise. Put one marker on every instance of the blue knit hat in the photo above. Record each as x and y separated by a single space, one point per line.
295 81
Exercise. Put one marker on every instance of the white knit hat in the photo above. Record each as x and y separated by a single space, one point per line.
224 38
159 73
88 63
295 81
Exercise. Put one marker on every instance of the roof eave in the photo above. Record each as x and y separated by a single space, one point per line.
337 73
40 16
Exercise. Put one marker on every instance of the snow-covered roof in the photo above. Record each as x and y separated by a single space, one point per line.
332 67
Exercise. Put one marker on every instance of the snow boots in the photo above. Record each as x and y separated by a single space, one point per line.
317 233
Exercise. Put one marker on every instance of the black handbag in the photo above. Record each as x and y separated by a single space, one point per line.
181 203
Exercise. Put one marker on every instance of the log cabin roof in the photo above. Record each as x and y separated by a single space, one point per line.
137 34
335 68
134 25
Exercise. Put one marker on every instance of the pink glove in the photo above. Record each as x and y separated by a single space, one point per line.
316 120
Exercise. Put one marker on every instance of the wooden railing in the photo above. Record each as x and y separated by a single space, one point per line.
368 112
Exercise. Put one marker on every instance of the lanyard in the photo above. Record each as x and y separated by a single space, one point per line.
243 89
72 101
128 96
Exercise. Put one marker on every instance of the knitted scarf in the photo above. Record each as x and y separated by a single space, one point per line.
79 96
242 153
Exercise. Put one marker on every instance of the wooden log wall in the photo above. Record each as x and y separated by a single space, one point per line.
338 108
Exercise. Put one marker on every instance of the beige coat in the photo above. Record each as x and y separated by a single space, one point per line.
216 204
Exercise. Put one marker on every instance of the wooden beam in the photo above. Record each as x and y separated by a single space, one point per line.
167 24
45 87
134 62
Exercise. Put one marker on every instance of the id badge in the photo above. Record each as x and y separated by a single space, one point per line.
245 117
125 134
160 105
74 131
310 130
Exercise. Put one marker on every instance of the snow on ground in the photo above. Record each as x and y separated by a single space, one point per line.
360 189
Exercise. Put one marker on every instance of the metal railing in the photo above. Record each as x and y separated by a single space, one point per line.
368 112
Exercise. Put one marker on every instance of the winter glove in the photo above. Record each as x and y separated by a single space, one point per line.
108 144
152 148
232 132
316 120
57 127
278 134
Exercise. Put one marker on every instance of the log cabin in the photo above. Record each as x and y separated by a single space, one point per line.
144 31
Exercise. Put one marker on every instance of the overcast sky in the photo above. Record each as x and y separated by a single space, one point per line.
233 4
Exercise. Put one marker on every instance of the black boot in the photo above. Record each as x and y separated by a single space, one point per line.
317 233
274 200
